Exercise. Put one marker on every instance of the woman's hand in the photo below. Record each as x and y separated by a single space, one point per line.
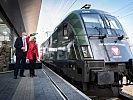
38 59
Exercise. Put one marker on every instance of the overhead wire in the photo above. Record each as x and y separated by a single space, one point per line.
47 9
123 8
65 6
51 15
128 8
61 4
127 15
70 7
60 9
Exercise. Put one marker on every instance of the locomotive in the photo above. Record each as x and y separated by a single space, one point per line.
90 46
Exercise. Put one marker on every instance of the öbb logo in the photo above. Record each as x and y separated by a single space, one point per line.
115 50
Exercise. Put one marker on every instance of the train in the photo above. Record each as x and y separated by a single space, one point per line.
90 46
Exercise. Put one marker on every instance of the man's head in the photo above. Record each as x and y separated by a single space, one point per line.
24 34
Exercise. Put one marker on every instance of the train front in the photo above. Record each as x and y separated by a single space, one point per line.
108 49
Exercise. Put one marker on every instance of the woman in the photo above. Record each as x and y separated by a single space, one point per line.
32 55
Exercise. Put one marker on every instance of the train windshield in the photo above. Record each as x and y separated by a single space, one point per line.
112 22
92 20
107 24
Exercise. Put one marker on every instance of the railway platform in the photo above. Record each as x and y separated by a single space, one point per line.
46 86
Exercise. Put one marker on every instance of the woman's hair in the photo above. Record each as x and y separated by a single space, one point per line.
32 38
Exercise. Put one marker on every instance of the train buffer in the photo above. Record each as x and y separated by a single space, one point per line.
46 86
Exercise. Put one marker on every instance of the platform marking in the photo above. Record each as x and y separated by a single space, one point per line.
56 87
85 96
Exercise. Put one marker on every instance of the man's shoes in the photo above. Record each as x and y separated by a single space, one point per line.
15 77
34 75
22 76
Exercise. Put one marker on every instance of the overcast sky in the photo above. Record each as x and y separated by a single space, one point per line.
53 12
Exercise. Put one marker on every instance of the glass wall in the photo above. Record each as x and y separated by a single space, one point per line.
5 45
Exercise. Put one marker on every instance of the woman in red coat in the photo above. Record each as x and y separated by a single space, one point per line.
32 55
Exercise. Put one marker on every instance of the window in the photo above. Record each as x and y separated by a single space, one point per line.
92 21
65 32
112 22
86 51
5 45
4 32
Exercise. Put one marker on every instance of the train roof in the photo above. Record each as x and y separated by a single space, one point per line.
83 11
89 11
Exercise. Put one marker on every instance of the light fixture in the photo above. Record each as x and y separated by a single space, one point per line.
66 37
5 33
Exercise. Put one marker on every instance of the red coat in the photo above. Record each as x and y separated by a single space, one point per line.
29 55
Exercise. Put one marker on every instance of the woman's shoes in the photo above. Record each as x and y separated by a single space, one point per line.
15 77
33 75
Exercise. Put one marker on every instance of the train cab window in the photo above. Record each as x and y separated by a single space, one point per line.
112 22
65 32
113 26
85 51
92 21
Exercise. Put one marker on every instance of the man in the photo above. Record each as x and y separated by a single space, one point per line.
21 50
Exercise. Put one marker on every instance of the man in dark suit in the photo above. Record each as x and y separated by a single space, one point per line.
21 50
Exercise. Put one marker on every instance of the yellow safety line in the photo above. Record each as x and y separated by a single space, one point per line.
6 72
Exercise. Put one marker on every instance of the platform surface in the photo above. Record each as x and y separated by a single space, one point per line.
37 88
